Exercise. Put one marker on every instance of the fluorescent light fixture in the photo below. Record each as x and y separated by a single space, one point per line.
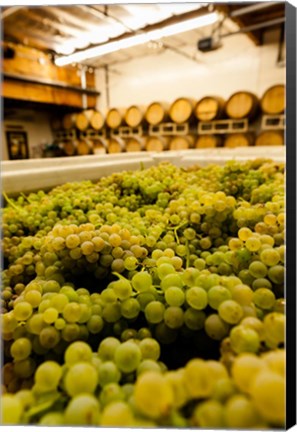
131 41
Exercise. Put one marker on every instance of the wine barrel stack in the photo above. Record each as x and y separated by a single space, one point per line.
243 119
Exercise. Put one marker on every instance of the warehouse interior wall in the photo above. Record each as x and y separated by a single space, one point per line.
35 124
238 65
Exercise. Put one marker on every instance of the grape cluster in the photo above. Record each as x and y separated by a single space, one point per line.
150 298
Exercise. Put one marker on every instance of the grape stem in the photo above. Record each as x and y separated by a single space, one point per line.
10 201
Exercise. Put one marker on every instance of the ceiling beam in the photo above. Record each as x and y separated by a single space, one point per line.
252 8
63 29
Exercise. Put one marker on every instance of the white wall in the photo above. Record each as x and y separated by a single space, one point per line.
238 65
37 126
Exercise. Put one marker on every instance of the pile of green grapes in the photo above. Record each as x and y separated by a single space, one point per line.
152 298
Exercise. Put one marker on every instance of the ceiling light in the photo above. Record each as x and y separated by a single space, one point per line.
131 41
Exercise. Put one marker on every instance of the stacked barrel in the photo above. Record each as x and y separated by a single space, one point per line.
241 120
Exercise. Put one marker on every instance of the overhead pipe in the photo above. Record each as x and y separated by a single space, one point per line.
255 27
252 8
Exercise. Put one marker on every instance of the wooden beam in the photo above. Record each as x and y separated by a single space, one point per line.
45 94
34 63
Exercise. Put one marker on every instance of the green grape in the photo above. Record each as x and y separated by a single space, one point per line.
261 283
36 323
224 388
48 375
270 257
24 368
268 395
77 352
274 329
189 276
50 315
110 393
171 280
148 365
253 244
255 324
174 317
122 289
141 281
107 348
130 263
108 295
240 412
276 274
82 377
174 296
242 294
244 339
130 308
23 311
150 349
153 383
12 409
9 323
164 270
84 410
258 269
117 413
95 324
21 349
49 337
197 298
128 334
245 369
72 241
52 419
208 414
26 397
198 379
216 295
154 312
111 312
108 372
127 357
72 312
230 311
244 233
215 327
264 298
194 319
175 380
33 297
276 360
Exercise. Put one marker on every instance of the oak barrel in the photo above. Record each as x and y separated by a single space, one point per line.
238 140
209 108
270 138
115 145
133 144
208 141
157 112
181 110
181 142
242 104
89 118
156 143
134 116
70 147
99 145
273 100
84 147
68 121
114 117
